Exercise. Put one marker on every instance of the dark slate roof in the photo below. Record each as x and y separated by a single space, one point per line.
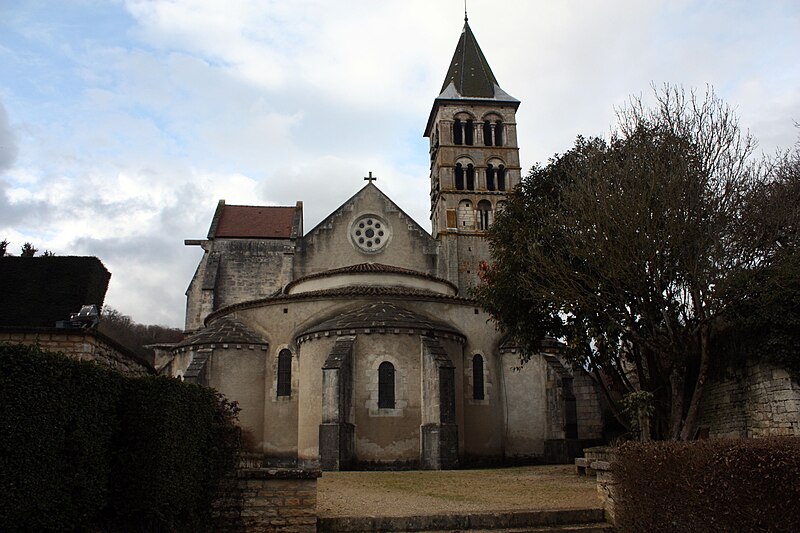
40 291
369 268
469 78
380 315
469 71
224 331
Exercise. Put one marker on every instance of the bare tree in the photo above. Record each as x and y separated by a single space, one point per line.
622 249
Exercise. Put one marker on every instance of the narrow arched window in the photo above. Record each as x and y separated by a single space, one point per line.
470 177
487 133
501 178
469 133
498 133
490 177
477 377
386 385
285 373
458 137
484 214
459 177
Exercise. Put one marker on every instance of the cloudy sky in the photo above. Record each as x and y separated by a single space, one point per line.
123 122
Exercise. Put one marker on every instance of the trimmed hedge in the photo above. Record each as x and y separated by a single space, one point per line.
708 486
83 448
39 291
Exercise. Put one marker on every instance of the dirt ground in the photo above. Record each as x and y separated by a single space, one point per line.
436 492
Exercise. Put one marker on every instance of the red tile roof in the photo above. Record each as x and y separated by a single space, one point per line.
258 222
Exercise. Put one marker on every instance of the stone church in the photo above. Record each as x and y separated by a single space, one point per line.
356 344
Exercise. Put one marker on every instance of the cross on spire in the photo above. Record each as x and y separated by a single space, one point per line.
370 178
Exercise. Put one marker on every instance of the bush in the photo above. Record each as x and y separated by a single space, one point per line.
173 447
84 448
57 418
708 486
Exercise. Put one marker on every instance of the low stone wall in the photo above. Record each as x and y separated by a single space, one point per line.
80 344
759 401
267 500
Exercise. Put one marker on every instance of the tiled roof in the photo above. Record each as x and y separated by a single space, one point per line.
353 291
380 315
369 268
223 331
255 222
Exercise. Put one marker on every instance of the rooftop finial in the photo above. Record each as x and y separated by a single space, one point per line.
466 19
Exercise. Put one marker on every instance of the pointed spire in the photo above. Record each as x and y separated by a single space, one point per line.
469 71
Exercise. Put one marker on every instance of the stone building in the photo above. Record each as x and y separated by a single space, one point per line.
357 343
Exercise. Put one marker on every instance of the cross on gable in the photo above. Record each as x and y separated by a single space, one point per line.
370 178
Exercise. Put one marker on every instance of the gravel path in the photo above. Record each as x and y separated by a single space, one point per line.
437 492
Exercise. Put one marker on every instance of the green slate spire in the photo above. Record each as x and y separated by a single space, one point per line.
469 71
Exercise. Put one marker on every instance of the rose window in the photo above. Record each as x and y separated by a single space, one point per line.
370 233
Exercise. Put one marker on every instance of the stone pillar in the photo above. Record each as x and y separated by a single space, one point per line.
337 431
439 430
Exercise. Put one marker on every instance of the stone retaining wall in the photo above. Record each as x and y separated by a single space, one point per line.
80 344
267 500
761 400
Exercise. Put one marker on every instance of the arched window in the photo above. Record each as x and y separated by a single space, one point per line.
490 177
458 132
487 133
470 177
501 178
284 373
484 214
466 216
498 133
459 177
477 377
386 385
469 133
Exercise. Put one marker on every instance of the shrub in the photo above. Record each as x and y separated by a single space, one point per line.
708 486
174 445
83 448
57 418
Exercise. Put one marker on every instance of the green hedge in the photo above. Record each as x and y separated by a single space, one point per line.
709 486
84 448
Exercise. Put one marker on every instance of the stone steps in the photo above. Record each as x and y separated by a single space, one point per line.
561 520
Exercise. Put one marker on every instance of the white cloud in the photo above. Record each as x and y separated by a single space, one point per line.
8 142
129 134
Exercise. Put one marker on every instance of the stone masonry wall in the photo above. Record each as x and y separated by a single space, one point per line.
267 500
759 401
83 345
587 400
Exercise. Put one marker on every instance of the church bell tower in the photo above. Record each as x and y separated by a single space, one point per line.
474 160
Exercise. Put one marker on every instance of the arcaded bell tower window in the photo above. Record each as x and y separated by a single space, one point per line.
458 132
459 177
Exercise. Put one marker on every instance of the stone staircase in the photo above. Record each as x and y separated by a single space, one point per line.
562 521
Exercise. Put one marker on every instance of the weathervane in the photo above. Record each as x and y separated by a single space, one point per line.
370 178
